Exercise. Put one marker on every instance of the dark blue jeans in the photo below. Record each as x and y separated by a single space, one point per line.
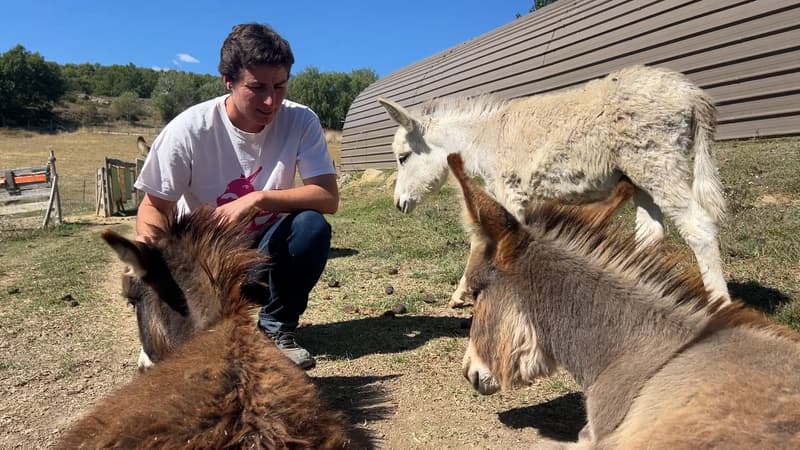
298 245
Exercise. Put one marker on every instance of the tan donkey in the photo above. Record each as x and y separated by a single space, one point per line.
660 363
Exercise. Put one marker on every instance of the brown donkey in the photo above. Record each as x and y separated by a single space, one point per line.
661 365
217 382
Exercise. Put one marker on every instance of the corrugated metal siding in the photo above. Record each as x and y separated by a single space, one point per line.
744 53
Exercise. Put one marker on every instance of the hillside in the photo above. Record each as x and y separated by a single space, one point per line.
78 110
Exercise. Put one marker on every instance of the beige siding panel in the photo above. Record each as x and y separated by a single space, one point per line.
771 127
774 106
758 87
366 134
373 158
746 54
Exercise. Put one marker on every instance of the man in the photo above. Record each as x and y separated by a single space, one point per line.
240 153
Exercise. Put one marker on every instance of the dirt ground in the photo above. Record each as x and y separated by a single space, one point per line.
62 375
405 396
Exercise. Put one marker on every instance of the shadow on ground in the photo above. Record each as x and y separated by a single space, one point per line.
362 398
764 298
561 418
356 338
337 252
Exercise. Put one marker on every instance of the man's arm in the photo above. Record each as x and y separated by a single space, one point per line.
319 193
153 211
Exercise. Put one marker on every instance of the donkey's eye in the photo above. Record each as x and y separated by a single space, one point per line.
401 159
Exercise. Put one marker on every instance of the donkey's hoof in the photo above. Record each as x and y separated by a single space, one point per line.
458 301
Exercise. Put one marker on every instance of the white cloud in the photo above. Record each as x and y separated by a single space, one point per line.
187 58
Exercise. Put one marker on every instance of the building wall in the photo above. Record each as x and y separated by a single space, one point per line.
743 53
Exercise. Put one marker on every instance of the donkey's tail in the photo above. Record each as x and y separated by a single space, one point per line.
707 188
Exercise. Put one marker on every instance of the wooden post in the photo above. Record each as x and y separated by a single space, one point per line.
55 200
50 203
106 194
98 191
11 185
108 188
52 163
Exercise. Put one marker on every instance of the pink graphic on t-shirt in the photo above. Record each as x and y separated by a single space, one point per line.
240 187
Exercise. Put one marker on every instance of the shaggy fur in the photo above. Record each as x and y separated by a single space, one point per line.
573 146
662 365
218 381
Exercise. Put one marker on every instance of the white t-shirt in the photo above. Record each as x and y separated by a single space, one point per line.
200 157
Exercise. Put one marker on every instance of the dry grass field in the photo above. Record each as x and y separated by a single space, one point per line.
79 154
66 337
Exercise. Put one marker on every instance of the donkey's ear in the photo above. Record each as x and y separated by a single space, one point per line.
400 115
483 213
130 252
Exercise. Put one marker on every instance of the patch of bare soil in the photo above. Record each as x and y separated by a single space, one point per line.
777 199
70 359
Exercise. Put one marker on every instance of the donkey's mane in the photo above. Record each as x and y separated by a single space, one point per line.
224 250
460 108
613 249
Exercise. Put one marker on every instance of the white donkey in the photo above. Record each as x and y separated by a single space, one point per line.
574 146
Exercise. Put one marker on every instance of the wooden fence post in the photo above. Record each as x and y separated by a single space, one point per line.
98 191
55 199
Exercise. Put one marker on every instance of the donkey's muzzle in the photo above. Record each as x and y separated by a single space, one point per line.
405 205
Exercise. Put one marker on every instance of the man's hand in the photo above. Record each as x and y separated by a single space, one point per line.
238 209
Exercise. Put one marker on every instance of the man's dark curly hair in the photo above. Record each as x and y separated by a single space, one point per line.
250 45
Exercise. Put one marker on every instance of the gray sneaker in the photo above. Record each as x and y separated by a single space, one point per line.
287 343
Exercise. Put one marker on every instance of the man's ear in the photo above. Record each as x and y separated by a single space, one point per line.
227 82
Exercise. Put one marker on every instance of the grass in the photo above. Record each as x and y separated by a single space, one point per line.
760 240
420 256
426 248
41 267
79 154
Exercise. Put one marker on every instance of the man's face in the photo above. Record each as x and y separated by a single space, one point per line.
256 97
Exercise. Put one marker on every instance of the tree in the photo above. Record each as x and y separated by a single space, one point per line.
329 94
79 77
89 115
29 86
537 4
208 89
127 107
173 93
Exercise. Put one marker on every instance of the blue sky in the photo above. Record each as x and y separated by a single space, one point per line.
336 36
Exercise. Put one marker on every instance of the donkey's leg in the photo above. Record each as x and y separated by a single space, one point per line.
461 295
649 219
699 230
144 362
